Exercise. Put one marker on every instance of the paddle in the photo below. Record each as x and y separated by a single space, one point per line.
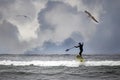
69 48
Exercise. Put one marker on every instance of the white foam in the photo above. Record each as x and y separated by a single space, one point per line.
72 63
40 63
102 63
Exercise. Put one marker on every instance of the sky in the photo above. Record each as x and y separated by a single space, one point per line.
51 26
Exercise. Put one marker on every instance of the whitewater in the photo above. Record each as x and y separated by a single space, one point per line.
73 63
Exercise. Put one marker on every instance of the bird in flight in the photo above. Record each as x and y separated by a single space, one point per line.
92 17
23 16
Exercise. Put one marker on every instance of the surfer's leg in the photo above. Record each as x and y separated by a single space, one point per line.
80 53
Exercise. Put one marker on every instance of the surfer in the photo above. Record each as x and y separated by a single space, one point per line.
80 46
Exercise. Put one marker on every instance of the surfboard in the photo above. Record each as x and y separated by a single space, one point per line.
79 58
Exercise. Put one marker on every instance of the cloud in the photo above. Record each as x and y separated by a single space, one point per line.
17 32
59 18
57 22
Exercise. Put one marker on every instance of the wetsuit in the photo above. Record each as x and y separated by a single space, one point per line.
81 49
80 46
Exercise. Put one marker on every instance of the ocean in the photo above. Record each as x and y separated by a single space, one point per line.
59 67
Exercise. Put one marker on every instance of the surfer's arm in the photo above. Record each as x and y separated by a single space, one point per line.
82 43
76 46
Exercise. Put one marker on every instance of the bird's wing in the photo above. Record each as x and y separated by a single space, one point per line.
92 17
88 13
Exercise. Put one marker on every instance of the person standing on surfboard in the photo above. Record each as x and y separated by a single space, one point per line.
80 46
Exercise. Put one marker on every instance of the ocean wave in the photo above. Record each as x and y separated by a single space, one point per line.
16 73
72 63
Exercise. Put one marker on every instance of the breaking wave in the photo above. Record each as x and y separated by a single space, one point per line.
72 63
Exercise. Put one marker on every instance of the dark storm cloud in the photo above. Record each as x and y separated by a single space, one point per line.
8 33
51 48
8 36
